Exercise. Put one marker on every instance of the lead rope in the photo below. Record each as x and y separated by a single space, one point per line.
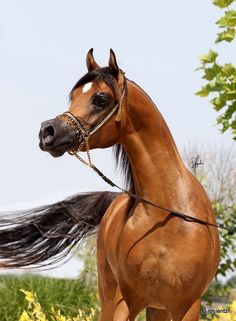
186 217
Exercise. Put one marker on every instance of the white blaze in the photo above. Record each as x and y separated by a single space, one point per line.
87 87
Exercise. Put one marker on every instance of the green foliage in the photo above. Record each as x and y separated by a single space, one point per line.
226 215
35 312
228 20
232 281
218 177
222 3
220 313
65 295
221 86
209 58
226 35
221 78
87 254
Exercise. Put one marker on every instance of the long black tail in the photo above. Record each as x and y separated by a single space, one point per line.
45 235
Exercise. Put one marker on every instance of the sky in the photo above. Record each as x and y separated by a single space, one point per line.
43 46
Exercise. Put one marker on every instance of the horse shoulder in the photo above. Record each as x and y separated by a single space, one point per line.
111 226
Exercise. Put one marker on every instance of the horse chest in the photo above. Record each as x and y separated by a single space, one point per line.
126 243
136 261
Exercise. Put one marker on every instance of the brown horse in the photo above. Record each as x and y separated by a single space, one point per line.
148 258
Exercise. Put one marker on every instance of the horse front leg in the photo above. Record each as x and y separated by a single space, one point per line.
106 287
194 312
162 315
121 310
113 305
157 315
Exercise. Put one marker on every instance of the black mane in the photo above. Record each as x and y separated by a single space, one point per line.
123 162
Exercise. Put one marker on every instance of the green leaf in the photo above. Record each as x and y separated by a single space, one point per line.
233 124
225 124
215 85
228 70
222 3
210 57
218 103
219 119
231 95
230 111
204 92
227 35
229 91
212 72
228 20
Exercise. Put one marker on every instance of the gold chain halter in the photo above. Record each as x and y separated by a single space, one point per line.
76 153
84 134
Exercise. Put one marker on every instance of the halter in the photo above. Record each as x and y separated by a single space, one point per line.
84 135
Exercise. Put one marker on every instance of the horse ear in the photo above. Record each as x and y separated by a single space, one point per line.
90 61
113 66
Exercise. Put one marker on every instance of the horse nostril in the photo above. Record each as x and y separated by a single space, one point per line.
49 131
48 134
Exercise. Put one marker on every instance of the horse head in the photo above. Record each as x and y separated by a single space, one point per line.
95 106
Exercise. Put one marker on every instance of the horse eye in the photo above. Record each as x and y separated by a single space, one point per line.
100 101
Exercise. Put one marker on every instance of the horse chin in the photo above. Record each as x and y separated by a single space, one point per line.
56 153
60 149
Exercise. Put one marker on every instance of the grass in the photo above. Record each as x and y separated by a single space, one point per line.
66 295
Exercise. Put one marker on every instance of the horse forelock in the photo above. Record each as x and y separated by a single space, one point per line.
96 75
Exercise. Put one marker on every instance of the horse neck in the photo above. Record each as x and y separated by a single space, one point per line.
157 168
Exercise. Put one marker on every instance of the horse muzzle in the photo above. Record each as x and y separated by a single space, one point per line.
57 137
